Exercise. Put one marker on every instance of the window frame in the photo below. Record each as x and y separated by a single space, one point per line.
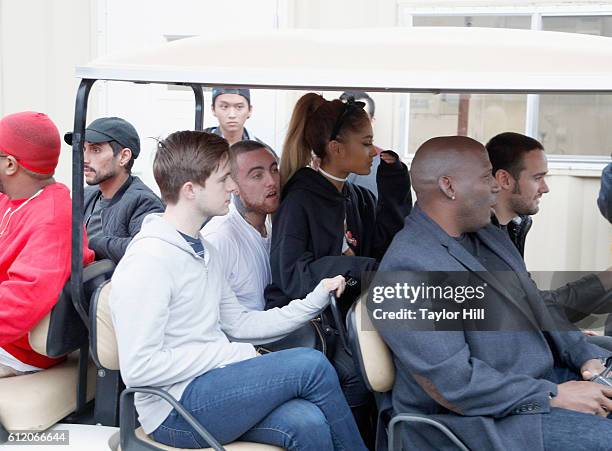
407 11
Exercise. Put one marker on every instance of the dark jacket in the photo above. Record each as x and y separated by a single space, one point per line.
245 136
577 299
122 219
604 200
496 383
517 231
307 230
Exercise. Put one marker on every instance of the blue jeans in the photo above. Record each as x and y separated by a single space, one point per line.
290 398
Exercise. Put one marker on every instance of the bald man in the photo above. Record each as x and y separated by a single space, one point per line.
517 389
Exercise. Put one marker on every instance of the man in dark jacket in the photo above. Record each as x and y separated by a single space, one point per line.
497 390
116 202
232 107
520 166
604 201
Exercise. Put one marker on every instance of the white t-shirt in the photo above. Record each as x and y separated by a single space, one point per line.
245 256
7 359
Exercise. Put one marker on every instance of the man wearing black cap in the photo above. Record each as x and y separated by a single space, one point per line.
232 107
116 202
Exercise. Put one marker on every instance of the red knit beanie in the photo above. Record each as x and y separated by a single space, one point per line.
32 138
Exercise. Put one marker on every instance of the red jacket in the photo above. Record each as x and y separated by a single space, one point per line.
35 252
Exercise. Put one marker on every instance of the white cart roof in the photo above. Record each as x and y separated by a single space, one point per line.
395 59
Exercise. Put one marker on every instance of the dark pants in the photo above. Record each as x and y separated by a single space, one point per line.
351 382
359 398
568 430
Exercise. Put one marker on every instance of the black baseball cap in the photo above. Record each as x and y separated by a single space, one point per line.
107 129
216 92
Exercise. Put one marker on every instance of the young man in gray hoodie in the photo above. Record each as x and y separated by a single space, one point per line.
180 338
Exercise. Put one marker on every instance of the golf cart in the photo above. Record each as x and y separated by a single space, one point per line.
399 60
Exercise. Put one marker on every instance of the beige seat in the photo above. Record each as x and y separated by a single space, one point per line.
104 346
236 446
378 372
36 401
39 400
373 354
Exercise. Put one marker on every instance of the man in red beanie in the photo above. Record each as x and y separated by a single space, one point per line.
35 236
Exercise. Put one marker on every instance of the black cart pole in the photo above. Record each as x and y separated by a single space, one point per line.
199 107
78 138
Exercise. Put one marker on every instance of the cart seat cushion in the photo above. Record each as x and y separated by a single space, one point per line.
38 400
376 359
236 446
105 340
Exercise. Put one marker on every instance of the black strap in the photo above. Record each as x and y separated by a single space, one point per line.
385 412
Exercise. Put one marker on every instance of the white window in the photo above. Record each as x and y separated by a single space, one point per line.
572 128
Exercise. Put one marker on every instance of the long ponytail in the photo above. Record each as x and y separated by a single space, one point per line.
296 151
310 130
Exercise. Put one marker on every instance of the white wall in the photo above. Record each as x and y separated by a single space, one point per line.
568 233
41 41
157 110
525 5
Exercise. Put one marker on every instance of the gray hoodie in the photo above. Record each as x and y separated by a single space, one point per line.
174 314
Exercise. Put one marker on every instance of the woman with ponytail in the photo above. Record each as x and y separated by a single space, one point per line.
327 226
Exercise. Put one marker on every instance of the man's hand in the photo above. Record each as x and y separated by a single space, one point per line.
591 368
591 333
585 397
336 284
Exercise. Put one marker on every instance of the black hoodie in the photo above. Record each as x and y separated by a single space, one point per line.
308 230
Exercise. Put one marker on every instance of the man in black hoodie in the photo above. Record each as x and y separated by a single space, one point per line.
116 202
